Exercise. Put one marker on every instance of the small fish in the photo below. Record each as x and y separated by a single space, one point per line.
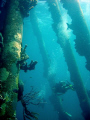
30 77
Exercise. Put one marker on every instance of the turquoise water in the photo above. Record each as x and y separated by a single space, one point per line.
58 65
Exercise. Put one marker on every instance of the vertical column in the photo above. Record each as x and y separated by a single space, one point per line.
9 71
80 29
69 57
54 99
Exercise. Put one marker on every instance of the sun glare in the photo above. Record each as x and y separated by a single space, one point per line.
85 1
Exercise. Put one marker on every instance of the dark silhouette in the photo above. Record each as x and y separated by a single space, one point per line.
20 90
26 67
26 100
62 87
22 62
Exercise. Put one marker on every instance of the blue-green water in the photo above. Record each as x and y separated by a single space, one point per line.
58 65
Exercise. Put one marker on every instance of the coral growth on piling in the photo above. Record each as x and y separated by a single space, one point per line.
26 5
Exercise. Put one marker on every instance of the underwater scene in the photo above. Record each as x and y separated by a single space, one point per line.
44 59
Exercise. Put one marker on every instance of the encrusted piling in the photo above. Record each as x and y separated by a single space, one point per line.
80 29
9 71
16 10
63 40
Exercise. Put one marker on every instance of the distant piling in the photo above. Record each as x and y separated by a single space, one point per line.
38 34
54 99
63 40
